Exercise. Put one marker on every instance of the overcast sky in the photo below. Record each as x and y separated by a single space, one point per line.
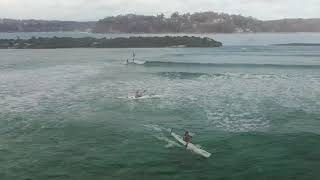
97 9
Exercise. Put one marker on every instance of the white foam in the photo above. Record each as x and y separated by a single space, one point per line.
170 143
154 127
160 136
25 90
237 122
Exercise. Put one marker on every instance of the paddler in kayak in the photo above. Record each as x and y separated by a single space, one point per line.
133 56
187 138
139 94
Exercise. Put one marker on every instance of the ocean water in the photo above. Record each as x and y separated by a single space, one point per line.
64 113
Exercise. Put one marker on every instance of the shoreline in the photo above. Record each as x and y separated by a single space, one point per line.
119 42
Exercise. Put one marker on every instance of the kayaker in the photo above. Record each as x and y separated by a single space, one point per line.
187 138
133 56
140 93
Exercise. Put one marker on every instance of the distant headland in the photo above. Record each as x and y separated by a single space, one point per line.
88 42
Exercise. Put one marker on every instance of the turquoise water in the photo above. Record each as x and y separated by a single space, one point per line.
64 113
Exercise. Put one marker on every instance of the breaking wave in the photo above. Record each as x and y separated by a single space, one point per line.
195 75
234 65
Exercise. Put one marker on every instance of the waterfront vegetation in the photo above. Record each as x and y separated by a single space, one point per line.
88 42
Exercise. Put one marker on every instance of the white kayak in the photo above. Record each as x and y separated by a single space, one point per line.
139 62
145 97
134 63
191 146
142 97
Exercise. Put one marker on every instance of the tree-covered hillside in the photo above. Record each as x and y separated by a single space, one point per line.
205 22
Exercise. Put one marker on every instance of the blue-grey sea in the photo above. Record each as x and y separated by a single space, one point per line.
65 115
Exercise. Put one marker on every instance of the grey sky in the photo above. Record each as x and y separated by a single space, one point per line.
97 9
